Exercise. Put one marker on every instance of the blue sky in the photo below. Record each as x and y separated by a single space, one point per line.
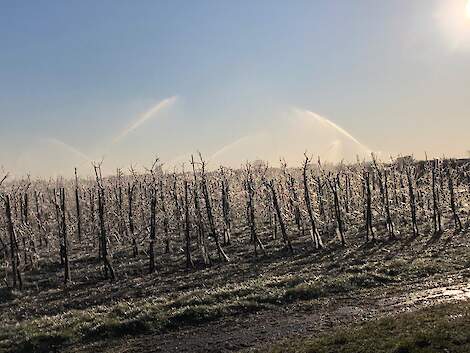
394 74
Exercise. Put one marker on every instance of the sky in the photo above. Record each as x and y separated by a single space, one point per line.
125 81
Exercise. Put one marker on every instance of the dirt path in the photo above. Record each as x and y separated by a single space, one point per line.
256 330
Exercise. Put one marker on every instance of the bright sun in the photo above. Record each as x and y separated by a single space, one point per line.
453 19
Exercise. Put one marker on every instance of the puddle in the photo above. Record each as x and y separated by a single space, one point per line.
439 295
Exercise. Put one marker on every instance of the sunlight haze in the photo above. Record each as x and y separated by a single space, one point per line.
124 81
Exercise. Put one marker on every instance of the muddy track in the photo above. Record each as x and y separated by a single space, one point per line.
251 331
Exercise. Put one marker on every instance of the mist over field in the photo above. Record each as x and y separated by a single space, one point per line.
235 176
124 83
287 137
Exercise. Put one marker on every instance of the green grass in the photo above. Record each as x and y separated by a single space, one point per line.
442 328
158 314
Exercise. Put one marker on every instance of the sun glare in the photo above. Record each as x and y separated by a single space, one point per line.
453 18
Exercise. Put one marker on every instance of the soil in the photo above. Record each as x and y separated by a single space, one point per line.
246 333
249 331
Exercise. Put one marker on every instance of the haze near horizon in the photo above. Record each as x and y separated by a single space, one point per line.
123 82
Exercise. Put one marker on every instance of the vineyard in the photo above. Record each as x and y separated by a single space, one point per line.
88 260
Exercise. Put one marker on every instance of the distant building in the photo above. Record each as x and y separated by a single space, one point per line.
259 164
402 161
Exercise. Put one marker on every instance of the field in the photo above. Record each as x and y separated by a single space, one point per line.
367 257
